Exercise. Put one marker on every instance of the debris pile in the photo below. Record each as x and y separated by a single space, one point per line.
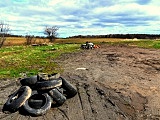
38 93
89 45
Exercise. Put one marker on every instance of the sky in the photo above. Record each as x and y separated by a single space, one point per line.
81 17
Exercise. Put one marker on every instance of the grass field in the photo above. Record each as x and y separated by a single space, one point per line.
22 41
17 59
83 40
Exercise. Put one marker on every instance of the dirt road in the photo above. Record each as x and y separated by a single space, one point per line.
113 82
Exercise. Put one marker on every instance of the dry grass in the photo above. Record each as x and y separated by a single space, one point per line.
22 40
83 40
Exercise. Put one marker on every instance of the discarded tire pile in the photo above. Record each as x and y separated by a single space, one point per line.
38 93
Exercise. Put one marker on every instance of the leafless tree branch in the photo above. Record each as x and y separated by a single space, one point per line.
51 32
4 28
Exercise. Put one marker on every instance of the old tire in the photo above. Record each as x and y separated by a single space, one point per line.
17 99
29 81
69 89
45 76
46 85
35 101
42 77
57 96
40 110
54 76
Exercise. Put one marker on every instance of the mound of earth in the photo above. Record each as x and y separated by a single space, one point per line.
113 82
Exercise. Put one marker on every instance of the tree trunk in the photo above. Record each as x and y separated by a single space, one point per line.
2 40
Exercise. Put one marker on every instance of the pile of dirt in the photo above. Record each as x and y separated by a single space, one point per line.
118 82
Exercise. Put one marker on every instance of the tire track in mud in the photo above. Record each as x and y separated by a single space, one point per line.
64 113
74 108
98 100
96 105
85 103
131 105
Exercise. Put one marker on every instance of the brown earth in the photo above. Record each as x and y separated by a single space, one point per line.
118 83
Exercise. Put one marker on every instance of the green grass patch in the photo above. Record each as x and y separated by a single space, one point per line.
139 43
147 44
16 60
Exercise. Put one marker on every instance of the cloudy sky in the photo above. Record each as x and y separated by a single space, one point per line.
81 17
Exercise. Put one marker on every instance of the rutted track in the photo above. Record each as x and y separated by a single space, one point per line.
119 82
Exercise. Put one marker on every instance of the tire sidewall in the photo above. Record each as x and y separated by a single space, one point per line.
40 111
13 104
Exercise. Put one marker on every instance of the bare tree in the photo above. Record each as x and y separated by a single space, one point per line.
4 28
51 32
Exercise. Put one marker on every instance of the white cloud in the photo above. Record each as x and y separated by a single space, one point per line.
76 17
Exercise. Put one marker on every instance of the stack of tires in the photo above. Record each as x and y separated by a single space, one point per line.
39 92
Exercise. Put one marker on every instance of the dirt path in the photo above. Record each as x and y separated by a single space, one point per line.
119 83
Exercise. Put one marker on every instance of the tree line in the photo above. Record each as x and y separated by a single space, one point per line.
123 36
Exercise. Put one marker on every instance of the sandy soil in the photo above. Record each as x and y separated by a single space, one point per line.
113 82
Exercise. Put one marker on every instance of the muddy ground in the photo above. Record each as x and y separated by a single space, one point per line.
118 83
